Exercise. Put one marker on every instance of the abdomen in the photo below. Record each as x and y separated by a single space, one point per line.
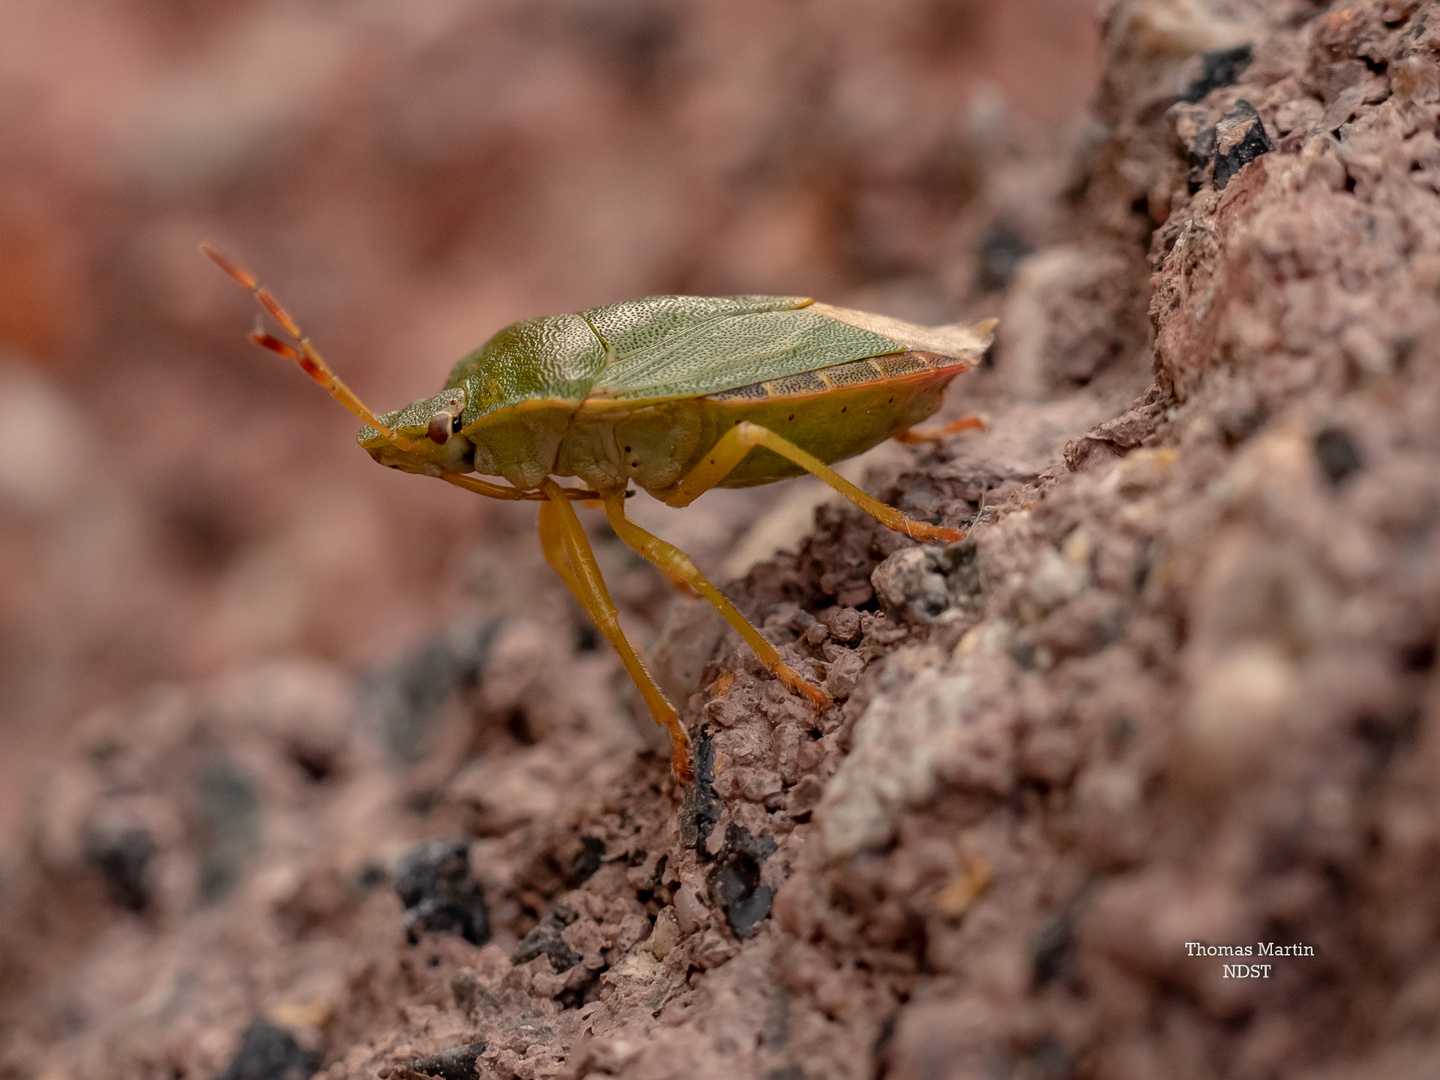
833 413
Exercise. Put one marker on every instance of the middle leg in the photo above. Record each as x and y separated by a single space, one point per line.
681 571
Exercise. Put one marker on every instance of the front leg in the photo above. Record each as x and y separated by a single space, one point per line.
568 551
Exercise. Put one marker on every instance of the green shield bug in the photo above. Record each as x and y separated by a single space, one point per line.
675 395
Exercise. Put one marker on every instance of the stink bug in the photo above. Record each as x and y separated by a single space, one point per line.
675 394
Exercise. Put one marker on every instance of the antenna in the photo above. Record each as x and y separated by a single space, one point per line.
306 356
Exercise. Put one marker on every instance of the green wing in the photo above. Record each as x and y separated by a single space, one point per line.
687 346
658 347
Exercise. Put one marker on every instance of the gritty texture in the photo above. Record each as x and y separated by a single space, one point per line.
1178 685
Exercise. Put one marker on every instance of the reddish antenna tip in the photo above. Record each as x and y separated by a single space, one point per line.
229 267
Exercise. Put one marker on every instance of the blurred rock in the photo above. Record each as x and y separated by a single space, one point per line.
1052 334
1235 716
406 698
41 465
920 584
1001 251
229 825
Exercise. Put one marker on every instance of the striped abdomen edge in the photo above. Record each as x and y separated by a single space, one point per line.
874 369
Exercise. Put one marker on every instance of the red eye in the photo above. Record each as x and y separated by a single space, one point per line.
439 429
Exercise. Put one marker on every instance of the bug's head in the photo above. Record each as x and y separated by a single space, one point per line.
429 436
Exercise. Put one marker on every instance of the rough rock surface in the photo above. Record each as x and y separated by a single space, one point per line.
1178 686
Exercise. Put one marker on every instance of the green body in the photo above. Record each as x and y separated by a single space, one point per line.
640 391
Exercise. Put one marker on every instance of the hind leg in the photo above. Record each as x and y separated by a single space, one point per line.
972 422
745 436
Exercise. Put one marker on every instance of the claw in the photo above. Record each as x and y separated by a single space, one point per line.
795 684
680 764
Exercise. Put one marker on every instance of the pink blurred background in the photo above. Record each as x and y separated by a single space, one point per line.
175 503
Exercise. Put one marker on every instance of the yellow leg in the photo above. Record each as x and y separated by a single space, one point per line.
745 436
676 566
552 543
568 551
972 422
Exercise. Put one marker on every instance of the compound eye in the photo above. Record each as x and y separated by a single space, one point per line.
439 429
447 420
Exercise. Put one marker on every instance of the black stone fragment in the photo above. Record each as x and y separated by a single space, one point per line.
469 994
1418 655
776 1031
123 855
439 894
1053 951
656 877
1023 653
637 41
1239 139
1387 736
1053 956
585 862
545 940
999 252
1219 67
701 808
268 1052
1239 416
1338 455
457 1063
735 880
